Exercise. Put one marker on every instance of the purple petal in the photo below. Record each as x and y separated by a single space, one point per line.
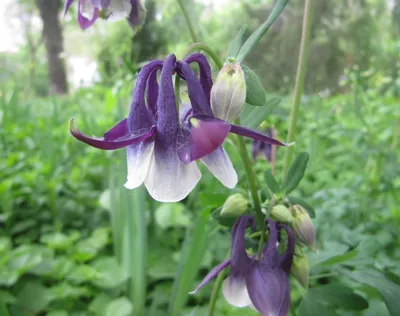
152 93
244 131
137 14
117 131
140 115
205 72
200 103
84 22
286 259
205 137
212 275
67 5
240 261
271 251
269 290
120 142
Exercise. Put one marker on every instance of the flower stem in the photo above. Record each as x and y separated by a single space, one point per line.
215 291
299 85
264 228
205 48
188 21
252 180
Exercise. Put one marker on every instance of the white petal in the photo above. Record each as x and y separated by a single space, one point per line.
169 180
220 165
138 158
235 292
119 10
86 8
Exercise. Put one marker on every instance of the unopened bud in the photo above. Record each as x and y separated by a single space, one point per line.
235 205
302 225
281 214
228 93
301 269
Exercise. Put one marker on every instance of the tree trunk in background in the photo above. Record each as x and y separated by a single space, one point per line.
53 37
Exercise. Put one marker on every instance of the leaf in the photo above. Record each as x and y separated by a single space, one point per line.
271 182
82 273
390 291
234 46
120 306
7 297
172 215
8 277
34 297
253 116
308 207
339 295
111 274
99 304
296 172
57 313
255 93
311 307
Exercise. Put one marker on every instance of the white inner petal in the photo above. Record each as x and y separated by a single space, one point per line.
236 293
138 159
86 9
119 10
169 180
220 165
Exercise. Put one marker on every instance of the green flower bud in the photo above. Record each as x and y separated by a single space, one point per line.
301 269
303 227
281 214
235 205
228 93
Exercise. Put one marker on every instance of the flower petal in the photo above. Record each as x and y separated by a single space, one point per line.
269 290
244 131
220 165
152 93
138 158
67 5
286 259
212 275
170 180
235 292
137 13
118 10
107 144
271 251
205 72
117 131
204 138
240 261
87 14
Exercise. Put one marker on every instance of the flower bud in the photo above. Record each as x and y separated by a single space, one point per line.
303 227
228 93
281 214
235 205
301 269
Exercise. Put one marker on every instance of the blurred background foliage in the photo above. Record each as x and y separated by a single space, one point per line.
63 204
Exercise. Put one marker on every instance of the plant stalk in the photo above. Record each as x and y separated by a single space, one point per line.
300 76
188 21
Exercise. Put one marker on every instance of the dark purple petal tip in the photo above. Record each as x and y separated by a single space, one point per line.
111 142
247 132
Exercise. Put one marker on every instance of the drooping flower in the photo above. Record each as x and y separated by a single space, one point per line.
203 132
262 149
259 283
112 10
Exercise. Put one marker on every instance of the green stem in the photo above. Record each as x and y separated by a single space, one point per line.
188 21
300 75
264 228
206 49
215 292
252 180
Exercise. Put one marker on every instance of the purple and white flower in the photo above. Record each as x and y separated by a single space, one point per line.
263 283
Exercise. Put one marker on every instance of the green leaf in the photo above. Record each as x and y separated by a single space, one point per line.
390 291
255 93
234 46
82 273
308 207
172 215
7 297
111 274
296 172
271 182
311 307
99 304
5 245
34 297
252 116
8 277
58 313
120 306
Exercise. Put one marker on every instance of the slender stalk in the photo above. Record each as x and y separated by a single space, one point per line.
300 75
188 21
215 292
264 228
206 49
252 180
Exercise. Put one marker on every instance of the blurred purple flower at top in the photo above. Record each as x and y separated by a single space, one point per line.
112 10
261 284
263 149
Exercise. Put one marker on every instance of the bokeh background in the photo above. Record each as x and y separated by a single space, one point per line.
64 245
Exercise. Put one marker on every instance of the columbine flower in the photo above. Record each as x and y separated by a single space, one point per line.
263 149
203 132
112 10
262 284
